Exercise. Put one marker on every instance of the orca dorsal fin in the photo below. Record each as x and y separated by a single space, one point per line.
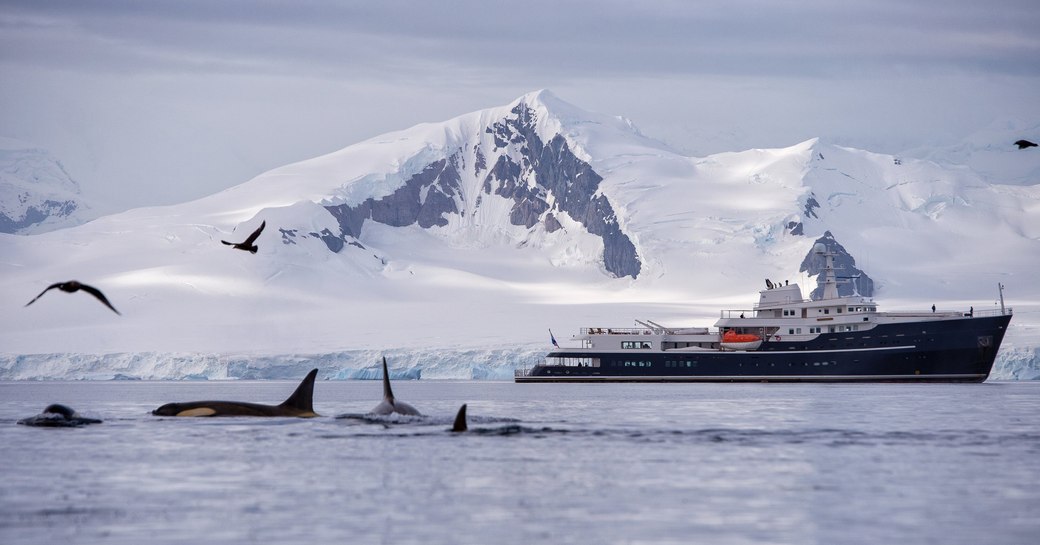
388 394
303 397
460 420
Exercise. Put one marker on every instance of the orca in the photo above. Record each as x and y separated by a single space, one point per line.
460 420
58 416
299 404
389 405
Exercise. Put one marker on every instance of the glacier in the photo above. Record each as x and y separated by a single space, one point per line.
478 363
454 246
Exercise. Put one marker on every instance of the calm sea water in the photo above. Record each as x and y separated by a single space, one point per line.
602 463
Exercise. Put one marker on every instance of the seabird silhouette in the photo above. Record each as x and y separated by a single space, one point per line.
247 244
73 286
1023 144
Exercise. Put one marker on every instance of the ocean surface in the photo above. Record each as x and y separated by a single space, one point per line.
552 463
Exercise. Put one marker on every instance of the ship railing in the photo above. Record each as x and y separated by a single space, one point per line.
774 304
521 372
993 312
948 313
616 331
924 314
737 313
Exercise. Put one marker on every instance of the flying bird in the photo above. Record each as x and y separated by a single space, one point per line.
1023 144
247 244
73 286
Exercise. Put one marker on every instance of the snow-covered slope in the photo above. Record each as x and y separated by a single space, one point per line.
36 193
455 245
992 154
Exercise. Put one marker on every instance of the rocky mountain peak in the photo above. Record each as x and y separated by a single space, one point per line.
513 160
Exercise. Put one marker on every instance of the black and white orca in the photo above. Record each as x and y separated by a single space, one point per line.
299 404
389 404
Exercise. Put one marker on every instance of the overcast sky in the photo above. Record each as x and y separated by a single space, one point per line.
158 102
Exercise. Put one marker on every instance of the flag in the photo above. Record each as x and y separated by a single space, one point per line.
553 339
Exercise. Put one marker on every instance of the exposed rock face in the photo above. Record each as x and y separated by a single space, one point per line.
811 204
36 214
424 199
844 268
543 179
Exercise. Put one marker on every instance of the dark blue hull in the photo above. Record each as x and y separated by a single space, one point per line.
958 350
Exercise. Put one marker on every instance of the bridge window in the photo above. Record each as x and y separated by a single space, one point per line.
636 345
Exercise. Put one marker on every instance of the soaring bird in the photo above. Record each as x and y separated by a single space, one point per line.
73 286
1023 144
247 244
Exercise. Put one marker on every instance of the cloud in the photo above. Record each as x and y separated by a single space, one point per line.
156 102
653 37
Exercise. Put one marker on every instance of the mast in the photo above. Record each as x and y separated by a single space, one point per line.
1000 288
830 282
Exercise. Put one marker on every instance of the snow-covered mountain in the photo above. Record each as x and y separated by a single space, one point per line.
453 247
991 153
36 193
